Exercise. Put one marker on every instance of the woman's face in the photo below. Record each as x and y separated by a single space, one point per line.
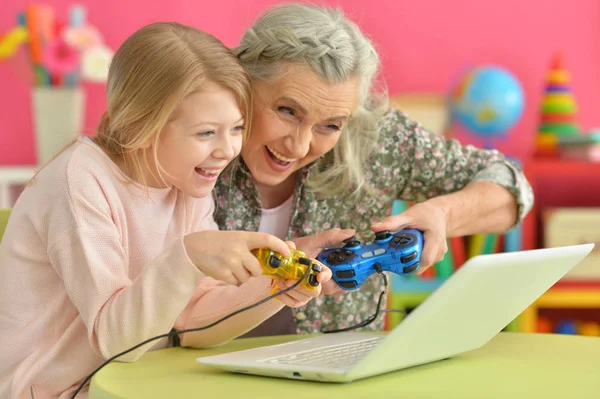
296 119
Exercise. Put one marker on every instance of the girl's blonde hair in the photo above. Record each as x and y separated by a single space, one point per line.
150 74
336 50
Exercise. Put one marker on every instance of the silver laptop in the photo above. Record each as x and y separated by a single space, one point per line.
464 313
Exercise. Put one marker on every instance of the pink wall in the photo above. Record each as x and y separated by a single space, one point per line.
423 45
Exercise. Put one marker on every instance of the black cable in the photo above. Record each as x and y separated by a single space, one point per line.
371 319
173 332
176 333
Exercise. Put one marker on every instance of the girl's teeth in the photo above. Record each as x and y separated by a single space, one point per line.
208 172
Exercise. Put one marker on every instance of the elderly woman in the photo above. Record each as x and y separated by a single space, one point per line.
326 158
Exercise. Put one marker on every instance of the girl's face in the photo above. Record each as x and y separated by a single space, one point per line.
203 136
296 119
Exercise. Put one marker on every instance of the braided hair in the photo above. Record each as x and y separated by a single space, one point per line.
335 49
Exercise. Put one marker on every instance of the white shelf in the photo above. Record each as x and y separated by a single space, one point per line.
16 174
11 176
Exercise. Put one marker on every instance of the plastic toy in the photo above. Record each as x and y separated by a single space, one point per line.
557 112
398 252
291 267
488 101
566 327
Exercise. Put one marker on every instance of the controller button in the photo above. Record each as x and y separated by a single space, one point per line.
304 261
382 235
348 252
379 251
367 255
312 280
401 240
345 273
337 251
274 261
317 268
348 284
410 269
335 258
408 258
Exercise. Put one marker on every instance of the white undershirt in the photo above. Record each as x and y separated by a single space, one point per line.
276 221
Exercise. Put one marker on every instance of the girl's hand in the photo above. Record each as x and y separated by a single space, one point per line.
226 256
432 220
300 296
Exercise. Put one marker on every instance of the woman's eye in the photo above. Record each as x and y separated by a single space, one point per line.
286 110
330 129
205 133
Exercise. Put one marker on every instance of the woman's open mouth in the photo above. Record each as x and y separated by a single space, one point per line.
279 162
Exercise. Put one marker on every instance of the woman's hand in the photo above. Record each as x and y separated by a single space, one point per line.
429 217
312 245
226 256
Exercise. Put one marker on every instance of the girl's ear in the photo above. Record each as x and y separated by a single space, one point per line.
148 143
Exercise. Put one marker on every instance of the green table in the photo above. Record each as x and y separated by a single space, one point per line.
512 365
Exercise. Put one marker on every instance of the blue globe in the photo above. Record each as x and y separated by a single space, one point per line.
487 101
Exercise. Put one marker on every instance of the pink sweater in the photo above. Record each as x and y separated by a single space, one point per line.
90 266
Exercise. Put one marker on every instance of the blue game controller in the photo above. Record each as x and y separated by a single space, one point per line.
351 265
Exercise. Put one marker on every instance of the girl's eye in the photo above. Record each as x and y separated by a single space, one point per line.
206 133
239 129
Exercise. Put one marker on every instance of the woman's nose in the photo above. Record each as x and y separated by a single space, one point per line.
298 143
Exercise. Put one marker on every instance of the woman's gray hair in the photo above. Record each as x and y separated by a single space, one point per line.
337 50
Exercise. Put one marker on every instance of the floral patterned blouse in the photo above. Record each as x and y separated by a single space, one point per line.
409 163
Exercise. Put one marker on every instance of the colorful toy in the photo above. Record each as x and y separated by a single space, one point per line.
488 101
566 327
398 252
544 325
61 54
292 267
557 111
12 41
590 329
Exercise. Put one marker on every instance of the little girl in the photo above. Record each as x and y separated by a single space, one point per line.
113 242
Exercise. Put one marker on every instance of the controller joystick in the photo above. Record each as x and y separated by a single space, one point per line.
382 235
351 243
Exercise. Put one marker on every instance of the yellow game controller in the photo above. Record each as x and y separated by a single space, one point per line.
292 267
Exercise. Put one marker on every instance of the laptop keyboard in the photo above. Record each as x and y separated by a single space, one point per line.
336 356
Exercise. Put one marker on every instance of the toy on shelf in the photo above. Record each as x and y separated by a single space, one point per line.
568 326
488 101
558 111
61 53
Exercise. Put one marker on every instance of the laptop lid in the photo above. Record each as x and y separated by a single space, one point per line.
471 307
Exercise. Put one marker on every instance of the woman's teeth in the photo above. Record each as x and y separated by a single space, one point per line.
279 156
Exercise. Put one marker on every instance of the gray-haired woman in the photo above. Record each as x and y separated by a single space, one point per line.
326 158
